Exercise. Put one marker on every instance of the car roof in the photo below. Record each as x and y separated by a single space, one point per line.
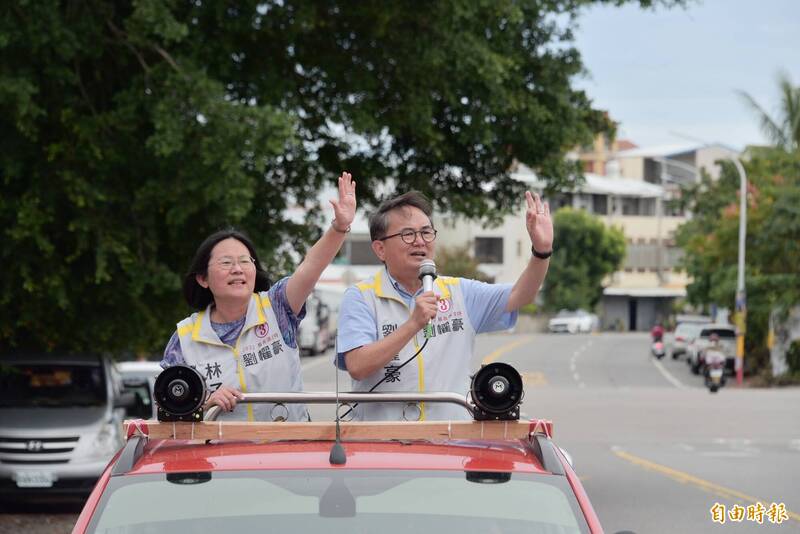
161 456
138 367
50 358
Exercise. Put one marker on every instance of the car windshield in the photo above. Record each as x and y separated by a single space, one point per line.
568 313
723 333
340 501
687 329
57 385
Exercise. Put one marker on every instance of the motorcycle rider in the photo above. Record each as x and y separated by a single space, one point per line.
714 358
657 332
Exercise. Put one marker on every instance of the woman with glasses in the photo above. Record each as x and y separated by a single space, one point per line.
243 338
393 336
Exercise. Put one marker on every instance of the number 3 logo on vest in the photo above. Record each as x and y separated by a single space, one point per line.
444 305
262 330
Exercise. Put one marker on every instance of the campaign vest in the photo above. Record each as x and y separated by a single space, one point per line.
260 362
444 364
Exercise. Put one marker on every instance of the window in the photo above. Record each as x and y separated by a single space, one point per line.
361 253
600 204
489 249
561 200
630 206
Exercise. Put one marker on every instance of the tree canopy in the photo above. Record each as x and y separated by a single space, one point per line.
783 130
586 251
710 238
131 130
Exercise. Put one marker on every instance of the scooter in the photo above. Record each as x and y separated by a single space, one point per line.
657 349
714 370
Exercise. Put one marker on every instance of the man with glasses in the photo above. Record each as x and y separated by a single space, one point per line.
380 338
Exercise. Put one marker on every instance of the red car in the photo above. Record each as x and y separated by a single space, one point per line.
480 476
419 485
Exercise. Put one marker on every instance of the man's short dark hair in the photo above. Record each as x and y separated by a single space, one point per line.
379 220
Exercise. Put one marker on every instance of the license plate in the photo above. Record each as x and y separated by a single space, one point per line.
34 479
716 373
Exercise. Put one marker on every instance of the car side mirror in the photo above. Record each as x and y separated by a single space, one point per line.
125 400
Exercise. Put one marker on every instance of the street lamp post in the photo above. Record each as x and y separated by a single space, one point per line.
741 295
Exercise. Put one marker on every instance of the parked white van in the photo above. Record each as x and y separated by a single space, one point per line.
60 423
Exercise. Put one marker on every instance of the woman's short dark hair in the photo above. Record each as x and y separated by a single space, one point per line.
200 297
379 220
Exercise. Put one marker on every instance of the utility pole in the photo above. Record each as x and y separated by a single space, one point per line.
741 295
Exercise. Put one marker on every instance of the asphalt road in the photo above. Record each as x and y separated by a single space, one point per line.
655 450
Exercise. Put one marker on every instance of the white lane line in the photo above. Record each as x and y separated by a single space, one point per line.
671 379
576 377
582 385
572 365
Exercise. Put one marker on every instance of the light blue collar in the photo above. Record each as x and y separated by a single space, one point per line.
400 289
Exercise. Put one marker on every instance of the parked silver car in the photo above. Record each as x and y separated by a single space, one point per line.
139 378
684 334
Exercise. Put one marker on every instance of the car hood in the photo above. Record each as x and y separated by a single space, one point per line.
51 419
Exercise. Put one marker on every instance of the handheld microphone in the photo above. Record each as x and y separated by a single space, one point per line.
427 273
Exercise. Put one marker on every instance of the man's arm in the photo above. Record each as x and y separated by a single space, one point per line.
363 361
527 285
540 230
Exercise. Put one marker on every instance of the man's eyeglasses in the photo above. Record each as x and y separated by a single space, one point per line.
409 236
226 263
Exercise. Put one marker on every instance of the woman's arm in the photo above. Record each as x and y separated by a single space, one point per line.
302 282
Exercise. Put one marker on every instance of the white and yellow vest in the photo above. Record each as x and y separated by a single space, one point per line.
260 362
444 364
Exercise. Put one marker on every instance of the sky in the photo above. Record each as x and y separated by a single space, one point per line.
670 75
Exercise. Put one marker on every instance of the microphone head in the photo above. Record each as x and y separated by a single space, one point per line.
427 268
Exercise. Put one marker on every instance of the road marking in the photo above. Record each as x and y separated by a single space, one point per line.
572 365
705 485
671 379
495 354
729 454
576 376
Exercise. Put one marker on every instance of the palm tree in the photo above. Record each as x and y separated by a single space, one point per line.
784 130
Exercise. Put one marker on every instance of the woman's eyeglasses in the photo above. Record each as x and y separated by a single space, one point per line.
226 263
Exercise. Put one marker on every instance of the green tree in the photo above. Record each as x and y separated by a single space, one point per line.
130 130
586 252
459 261
710 238
783 130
